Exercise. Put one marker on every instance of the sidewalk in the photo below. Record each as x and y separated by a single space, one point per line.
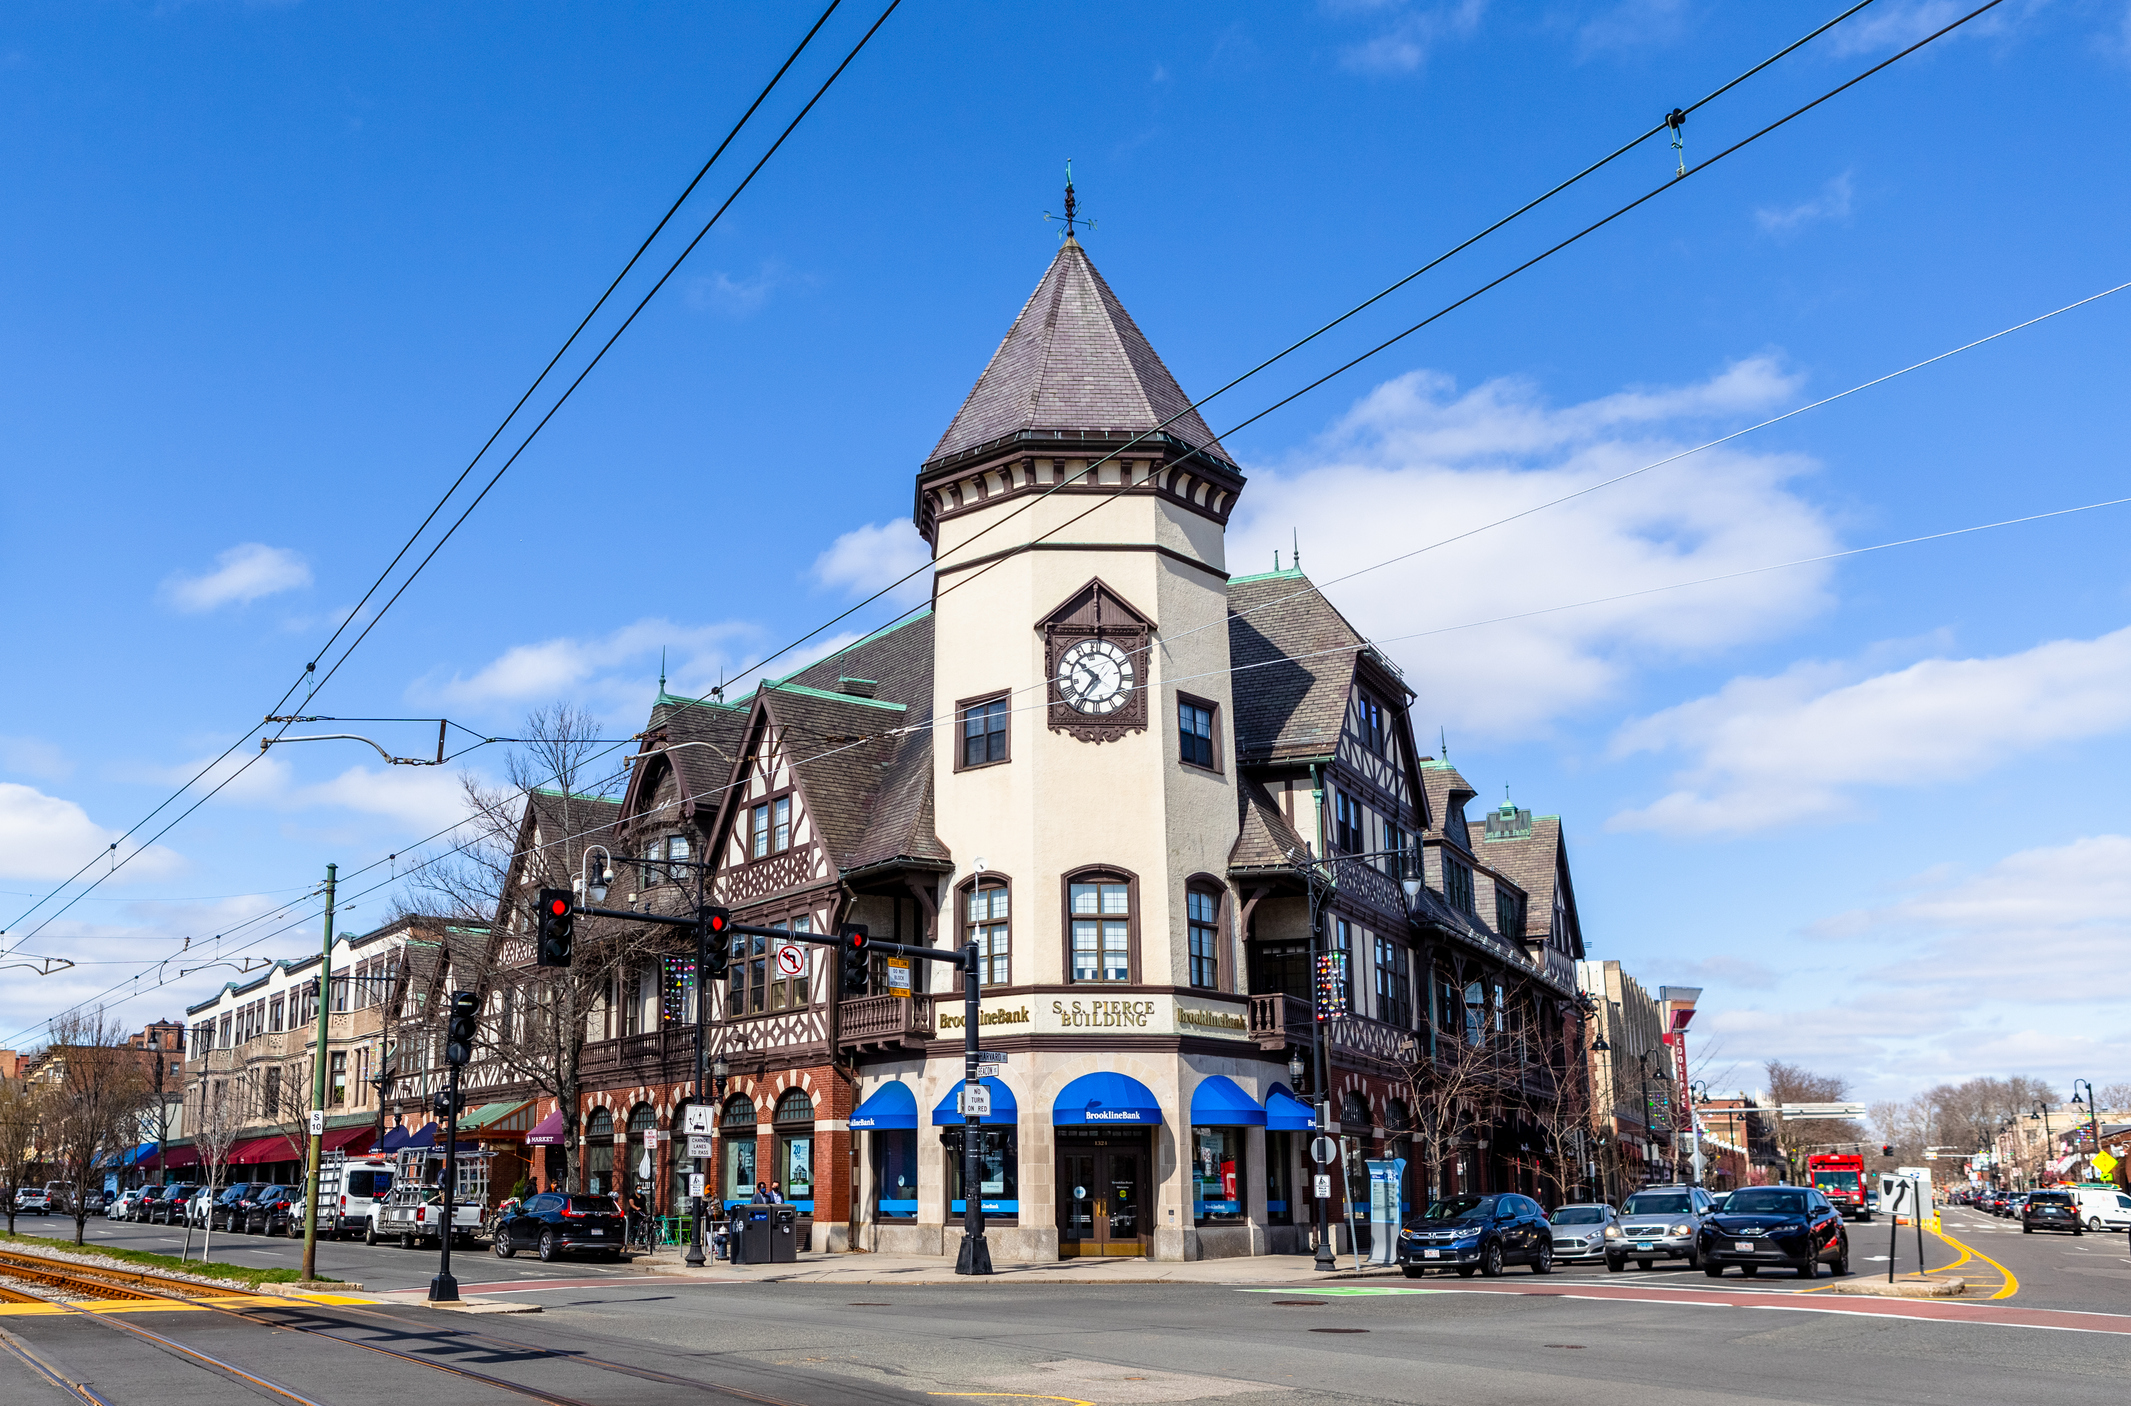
926 1269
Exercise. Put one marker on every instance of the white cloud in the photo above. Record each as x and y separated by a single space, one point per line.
1774 751
1902 23
568 667
1633 24
242 575
1405 43
1833 203
46 838
31 756
1416 462
738 296
871 558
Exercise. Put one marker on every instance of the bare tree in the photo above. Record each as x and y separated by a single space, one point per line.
22 1138
520 839
97 1102
225 1111
1452 1091
2112 1098
1565 1119
1796 1138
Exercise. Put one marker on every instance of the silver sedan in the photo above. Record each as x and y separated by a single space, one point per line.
1581 1231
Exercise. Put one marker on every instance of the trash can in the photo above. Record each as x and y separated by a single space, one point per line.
736 1236
784 1241
758 1239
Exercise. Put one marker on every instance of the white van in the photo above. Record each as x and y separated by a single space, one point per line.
2103 1207
350 1189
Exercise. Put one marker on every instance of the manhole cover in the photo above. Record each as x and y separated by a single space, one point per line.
1339 1330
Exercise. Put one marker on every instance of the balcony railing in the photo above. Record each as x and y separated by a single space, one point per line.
883 1021
1278 1020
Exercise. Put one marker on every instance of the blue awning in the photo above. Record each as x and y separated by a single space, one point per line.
1004 1114
394 1140
1104 1098
1285 1113
892 1106
1219 1102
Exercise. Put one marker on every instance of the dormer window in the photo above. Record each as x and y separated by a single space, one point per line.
770 828
1371 718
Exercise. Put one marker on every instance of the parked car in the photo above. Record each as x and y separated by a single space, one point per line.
227 1211
1660 1223
2103 1207
2050 1210
33 1199
1791 1227
555 1224
1582 1231
198 1204
268 1213
92 1203
1478 1234
126 1203
350 1191
170 1207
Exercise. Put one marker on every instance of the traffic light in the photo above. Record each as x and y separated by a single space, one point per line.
459 1038
443 1109
1886 1149
858 960
558 927
715 931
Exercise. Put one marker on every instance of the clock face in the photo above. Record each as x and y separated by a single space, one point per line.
1095 676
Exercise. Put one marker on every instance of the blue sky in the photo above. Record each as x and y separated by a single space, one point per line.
272 272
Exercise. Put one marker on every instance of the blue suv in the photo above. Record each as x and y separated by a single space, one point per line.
1478 1235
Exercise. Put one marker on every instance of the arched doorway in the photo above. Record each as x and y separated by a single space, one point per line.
736 1151
633 1151
599 1152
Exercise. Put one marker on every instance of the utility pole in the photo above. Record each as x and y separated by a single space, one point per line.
975 1256
318 1090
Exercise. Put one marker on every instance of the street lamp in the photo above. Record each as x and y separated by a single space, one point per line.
1294 1066
594 886
2093 1115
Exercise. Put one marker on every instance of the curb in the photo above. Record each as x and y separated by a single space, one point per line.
1903 1289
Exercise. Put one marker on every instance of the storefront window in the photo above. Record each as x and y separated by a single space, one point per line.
795 1169
599 1152
998 1156
1217 1176
1279 1178
736 1180
896 1173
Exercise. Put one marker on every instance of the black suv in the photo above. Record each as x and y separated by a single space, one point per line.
273 1209
2050 1210
554 1224
1790 1227
169 1203
1478 1234
227 1211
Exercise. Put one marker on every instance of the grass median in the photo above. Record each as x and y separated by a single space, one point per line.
249 1275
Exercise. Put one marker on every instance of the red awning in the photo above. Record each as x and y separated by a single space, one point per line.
350 1140
546 1133
263 1149
178 1157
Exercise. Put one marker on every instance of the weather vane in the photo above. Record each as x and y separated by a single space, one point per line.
1072 207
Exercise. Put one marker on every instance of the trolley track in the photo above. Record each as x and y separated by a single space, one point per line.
95 1282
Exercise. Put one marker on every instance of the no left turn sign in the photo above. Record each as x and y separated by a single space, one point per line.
791 961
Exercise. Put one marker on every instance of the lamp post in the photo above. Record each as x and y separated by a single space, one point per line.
2041 1114
2093 1116
1599 1046
1697 1095
1320 875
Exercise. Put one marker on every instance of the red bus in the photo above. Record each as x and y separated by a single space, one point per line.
1840 1178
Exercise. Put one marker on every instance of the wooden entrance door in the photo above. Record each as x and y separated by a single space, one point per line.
1102 1194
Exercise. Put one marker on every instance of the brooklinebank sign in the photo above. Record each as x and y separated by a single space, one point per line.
1152 1015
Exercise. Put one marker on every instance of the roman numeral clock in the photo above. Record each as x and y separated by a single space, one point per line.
1095 654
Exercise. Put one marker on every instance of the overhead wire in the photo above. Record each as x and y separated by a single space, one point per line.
1319 381
320 681
1192 407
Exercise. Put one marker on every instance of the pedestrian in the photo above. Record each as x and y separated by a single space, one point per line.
776 1193
762 1194
636 1225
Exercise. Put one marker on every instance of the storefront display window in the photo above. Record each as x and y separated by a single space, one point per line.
795 1169
1279 1178
998 1158
736 1130
896 1174
1217 1176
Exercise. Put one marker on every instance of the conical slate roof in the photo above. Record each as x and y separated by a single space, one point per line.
1074 360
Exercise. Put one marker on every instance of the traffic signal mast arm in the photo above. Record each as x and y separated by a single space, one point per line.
955 956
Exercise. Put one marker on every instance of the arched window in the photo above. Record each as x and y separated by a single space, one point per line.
736 1176
600 1124
739 1114
795 1148
599 1152
1202 911
987 922
1102 925
1354 1110
1397 1118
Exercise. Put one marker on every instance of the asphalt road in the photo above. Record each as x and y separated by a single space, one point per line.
1651 1339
